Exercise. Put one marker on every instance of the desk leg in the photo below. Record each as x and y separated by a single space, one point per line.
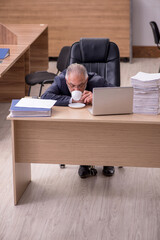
21 171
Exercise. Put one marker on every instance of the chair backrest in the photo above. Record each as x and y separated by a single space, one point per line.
98 55
63 58
156 33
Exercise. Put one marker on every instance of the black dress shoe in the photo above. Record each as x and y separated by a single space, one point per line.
108 171
84 171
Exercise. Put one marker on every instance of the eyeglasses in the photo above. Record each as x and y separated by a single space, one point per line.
77 86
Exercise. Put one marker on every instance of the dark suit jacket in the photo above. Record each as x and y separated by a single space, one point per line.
60 92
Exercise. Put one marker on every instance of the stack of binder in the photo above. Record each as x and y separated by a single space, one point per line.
4 52
28 107
146 94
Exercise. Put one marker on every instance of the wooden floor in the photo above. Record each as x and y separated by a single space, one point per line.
58 205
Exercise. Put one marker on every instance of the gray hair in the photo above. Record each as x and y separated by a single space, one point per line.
76 68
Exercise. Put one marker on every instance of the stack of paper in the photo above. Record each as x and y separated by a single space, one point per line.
146 93
30 107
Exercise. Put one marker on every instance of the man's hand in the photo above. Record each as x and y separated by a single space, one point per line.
87 97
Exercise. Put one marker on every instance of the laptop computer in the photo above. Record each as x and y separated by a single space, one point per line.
112 100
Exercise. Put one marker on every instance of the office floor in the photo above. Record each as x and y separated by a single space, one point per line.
59 205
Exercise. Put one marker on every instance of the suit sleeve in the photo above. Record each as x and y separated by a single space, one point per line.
96 81
53 92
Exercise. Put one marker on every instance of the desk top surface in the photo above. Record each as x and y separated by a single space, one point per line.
67 114
27 33
16 51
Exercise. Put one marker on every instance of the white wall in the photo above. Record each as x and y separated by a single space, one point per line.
144 11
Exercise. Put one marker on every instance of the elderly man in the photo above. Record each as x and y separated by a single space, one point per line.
77 78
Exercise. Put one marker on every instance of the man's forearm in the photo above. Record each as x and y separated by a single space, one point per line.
62 100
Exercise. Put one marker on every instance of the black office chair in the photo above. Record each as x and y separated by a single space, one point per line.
156 33
44 77
98 55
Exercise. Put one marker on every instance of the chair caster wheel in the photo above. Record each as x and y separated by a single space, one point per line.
62 165
93 172
120 167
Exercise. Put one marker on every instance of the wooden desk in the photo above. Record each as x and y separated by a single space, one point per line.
74 136
30 54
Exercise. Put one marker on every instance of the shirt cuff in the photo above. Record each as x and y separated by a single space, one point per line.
70 101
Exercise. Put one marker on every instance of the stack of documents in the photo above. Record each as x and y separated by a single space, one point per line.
146 94
30 107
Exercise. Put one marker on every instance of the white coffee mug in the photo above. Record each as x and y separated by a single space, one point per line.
76 95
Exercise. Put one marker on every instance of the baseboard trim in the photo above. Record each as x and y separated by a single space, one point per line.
53 59
146 52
